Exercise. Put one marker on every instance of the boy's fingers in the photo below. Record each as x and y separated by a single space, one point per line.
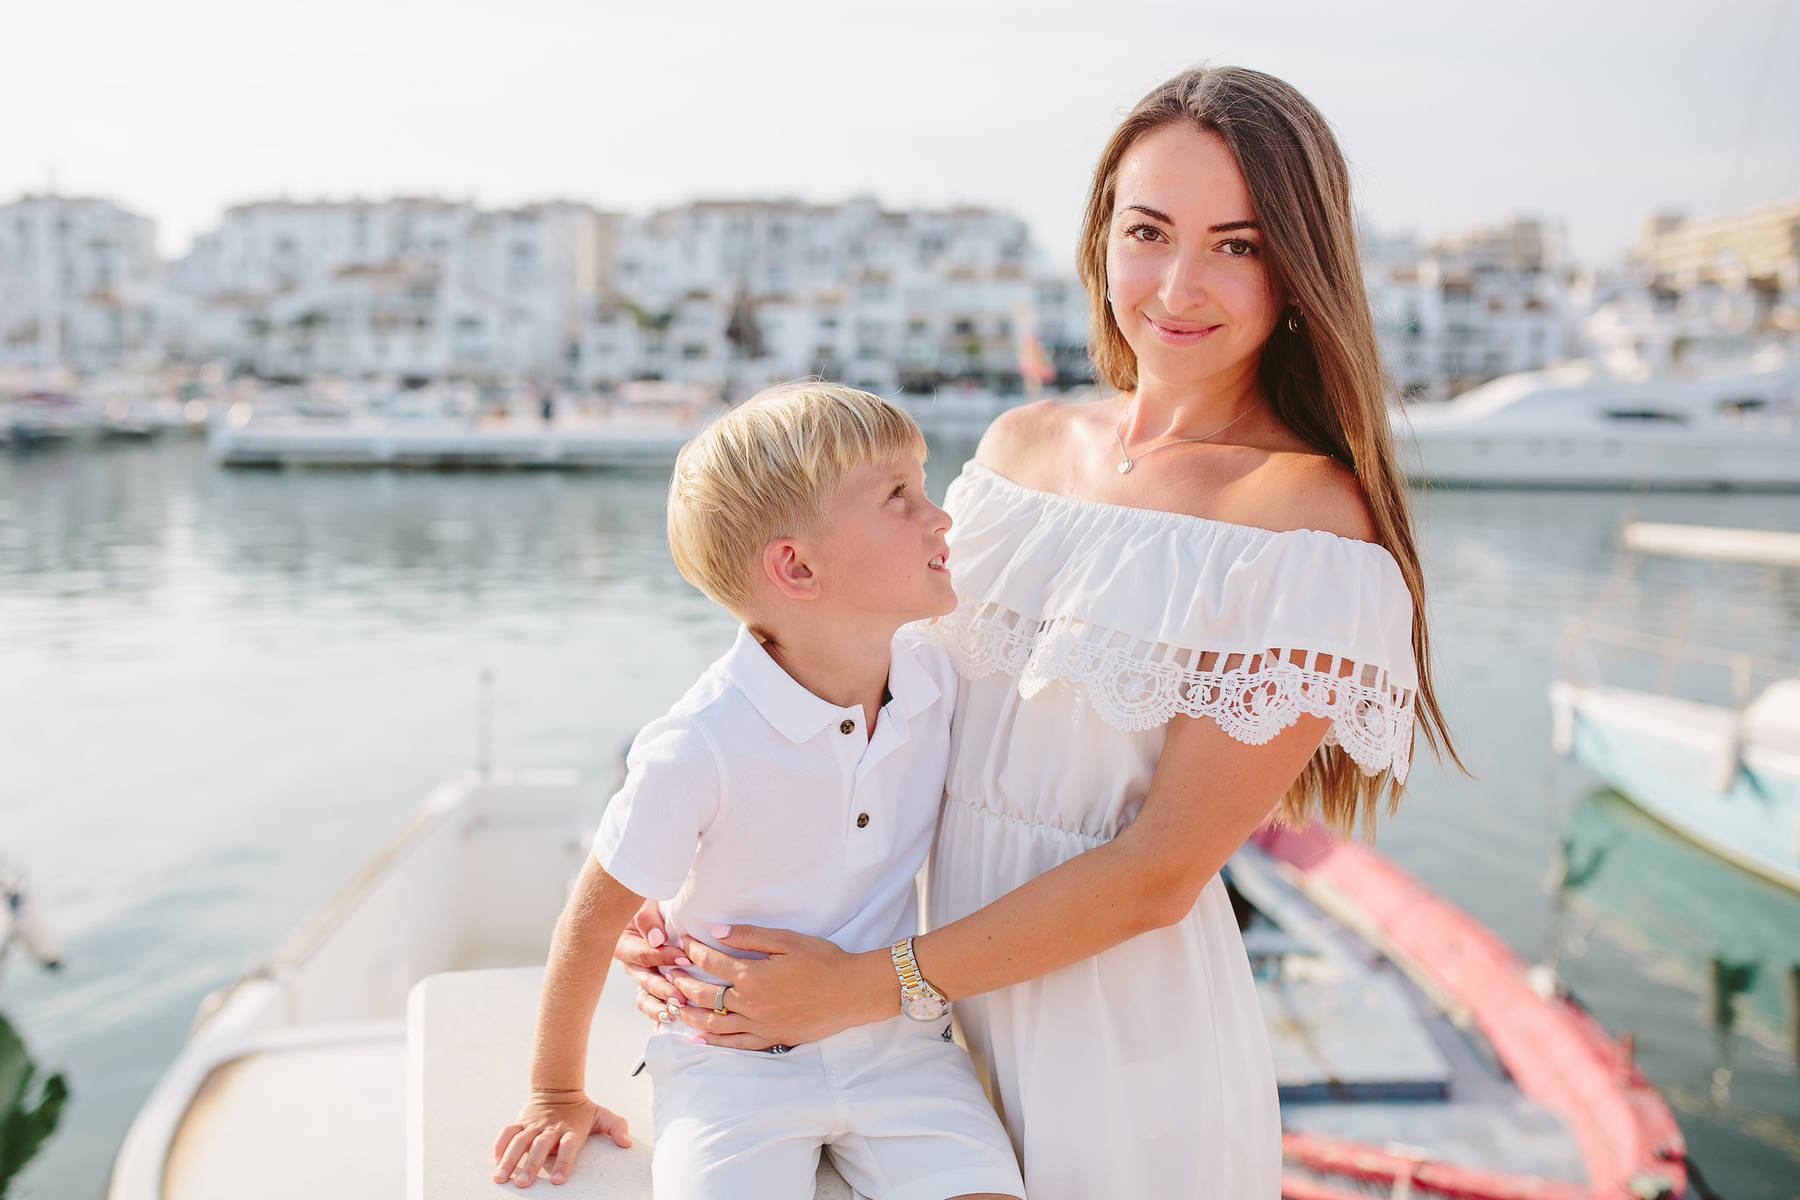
560 1163
540 1150
515 1150
613 1126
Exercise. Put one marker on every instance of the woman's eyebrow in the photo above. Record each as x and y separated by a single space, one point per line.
1166 219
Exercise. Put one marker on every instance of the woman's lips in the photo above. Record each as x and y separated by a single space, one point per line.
1180 336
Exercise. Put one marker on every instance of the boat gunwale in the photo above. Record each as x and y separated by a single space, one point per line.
1354 884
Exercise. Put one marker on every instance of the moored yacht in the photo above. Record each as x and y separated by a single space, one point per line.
1574 427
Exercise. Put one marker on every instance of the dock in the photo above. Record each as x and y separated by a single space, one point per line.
441 444
1766 546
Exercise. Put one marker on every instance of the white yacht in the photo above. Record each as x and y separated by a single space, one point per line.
1574 427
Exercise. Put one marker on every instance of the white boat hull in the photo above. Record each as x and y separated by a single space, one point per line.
1580 459
476 880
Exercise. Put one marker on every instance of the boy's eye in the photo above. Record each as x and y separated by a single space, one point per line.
899 490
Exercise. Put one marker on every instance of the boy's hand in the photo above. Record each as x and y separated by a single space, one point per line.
549 1133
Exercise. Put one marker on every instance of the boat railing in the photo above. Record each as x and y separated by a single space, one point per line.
1582 664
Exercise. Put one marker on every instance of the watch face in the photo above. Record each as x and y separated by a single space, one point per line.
924 1007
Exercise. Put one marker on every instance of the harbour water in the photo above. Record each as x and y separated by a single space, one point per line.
221 690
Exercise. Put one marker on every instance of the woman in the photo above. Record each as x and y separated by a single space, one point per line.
1182 608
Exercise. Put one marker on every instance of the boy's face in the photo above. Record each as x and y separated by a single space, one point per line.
880 551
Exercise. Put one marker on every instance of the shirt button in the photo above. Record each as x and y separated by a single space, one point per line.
862 820
848 726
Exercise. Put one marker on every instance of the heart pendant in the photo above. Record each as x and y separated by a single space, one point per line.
1125 467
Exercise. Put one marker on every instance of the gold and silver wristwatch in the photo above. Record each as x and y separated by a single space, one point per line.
918 999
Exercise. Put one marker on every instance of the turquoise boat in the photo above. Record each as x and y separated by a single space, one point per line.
1727 779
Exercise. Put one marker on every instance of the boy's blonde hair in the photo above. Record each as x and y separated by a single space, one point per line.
765 470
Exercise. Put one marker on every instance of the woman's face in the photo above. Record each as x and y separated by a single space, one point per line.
1184 259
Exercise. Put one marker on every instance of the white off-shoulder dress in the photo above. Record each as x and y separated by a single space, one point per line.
1083 628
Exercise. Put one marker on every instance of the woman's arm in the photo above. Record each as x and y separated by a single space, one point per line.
1209 793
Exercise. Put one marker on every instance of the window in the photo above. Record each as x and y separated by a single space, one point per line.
1647 416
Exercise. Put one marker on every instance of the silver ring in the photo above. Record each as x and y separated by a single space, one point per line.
719 1000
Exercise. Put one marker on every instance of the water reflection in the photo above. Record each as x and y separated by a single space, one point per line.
1698 926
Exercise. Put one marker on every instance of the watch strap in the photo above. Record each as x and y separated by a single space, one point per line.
912 981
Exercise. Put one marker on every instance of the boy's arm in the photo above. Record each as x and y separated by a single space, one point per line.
558 1116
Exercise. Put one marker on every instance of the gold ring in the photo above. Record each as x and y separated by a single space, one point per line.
719 1001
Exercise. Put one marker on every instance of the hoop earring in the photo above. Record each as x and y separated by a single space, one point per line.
1294 321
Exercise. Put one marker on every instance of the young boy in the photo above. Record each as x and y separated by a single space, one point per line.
796 786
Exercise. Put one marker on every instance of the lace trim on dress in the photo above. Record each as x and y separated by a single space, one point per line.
1133 684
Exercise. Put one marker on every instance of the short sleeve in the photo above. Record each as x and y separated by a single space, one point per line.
653 824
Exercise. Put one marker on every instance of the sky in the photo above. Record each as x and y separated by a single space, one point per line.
1594 113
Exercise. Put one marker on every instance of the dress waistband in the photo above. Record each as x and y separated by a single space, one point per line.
1088 840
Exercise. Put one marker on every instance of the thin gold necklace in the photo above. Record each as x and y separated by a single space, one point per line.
1126 462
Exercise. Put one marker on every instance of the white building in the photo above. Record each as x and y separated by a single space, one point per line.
735 294
1469 308
80 284
1758 250
411 286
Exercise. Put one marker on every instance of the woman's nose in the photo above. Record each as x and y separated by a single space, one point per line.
1184 285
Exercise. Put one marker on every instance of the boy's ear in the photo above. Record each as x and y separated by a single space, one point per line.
785 567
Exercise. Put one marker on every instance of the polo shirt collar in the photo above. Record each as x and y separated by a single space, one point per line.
796 713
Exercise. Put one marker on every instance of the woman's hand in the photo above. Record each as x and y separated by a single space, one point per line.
805 990
642 950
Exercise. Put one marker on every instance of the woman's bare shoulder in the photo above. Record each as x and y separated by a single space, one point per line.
1295 490
1019 437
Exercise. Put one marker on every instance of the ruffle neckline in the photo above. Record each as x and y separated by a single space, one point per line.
1153 615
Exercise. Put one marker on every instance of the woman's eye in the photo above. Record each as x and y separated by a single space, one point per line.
1239 248
1144 233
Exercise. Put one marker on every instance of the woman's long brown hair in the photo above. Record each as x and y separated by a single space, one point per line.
1325 382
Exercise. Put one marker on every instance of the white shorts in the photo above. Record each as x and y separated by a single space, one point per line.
897 1104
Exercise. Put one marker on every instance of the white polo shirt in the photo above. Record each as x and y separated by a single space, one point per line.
754 801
